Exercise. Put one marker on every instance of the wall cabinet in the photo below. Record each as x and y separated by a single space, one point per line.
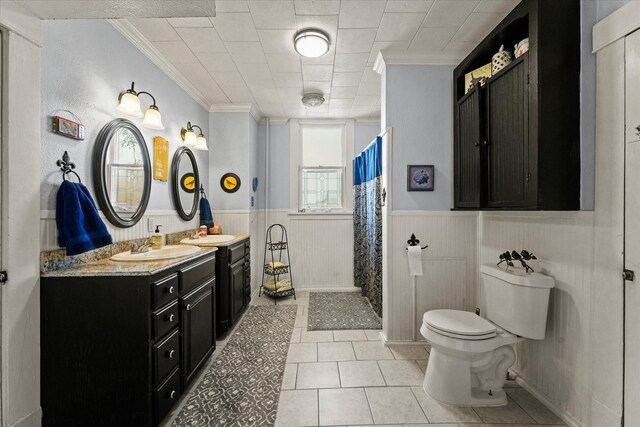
233 287
517 136
120 350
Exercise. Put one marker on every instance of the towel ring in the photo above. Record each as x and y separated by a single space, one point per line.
65 173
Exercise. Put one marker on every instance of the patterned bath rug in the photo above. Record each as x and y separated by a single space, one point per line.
340 310
242 386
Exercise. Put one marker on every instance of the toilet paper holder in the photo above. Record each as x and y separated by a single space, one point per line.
415 242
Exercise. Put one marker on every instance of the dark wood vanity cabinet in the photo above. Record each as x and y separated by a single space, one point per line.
121 349
517 137
233 273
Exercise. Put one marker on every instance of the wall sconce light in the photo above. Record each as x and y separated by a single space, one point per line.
193 141
129 103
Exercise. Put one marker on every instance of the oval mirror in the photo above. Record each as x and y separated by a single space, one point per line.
185 183
122 173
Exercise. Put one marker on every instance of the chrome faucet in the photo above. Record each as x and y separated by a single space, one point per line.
142 247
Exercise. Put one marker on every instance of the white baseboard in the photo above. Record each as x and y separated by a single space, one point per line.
565 417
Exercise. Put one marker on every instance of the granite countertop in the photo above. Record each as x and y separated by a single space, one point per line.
107 267
238 238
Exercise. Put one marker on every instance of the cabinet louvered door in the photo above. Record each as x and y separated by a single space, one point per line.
469 171
508 136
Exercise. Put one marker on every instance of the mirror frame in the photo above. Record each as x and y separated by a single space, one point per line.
99 161
175 183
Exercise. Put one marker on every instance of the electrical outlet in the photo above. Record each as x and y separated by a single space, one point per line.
151 225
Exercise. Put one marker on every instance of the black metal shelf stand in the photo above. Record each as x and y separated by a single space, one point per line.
277 265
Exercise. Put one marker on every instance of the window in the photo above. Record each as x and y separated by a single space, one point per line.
321 167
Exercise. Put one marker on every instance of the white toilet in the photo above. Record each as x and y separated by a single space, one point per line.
470 355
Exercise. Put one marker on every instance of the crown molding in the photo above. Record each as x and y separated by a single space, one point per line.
237 108
402 57
620 23
132 34
275 120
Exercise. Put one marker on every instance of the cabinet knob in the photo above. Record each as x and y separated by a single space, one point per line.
170 318
172 395
171 289
188 307
171 353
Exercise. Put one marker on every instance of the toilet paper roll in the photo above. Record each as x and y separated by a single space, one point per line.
414 255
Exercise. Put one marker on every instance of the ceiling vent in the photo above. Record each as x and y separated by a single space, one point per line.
313 99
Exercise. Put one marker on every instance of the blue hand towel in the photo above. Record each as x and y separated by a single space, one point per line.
80 228
205 213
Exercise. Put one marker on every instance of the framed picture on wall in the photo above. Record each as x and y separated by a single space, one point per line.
420 178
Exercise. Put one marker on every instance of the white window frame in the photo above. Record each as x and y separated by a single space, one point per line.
295 169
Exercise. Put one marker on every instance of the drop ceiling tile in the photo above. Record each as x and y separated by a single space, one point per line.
366 100
317 87
202 80
347 79
317 73
449 13
342 92
324 108
408 6
290 94
326 59
259 85
496 6
345 103
215 62
361 13
477 26
156 29
273 14
238 93
175 51
317 7
399 26
328 24
284 62
370 76
265 92
365 111
246 52
190 22
339 112
235 27
369 89
378 46
432 39
202 40
355 41
228 78
287 79
460 47
350 61
255 71
223 6
277 41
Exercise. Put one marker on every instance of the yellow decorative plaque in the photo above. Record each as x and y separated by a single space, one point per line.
160 158
474 76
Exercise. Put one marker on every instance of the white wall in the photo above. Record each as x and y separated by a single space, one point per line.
20 346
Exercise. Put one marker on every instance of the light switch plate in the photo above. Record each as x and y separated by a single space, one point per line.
151 225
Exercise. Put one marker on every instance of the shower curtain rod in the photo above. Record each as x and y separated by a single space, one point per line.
381 134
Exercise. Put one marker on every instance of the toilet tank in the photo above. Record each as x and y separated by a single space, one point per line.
516 301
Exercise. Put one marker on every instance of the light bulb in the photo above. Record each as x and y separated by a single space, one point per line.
130 104
311 43
190 139
152 118
201 143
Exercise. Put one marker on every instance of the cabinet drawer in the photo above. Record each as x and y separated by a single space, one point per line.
197 274
236 253
165 290
166 355
166 395
165 319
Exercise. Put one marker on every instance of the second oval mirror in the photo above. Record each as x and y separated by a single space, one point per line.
185 183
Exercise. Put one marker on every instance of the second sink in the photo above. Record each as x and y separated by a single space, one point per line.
210 240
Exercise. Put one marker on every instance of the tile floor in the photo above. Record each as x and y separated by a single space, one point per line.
349 378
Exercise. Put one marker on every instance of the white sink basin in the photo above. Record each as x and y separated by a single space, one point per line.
165 252
210 240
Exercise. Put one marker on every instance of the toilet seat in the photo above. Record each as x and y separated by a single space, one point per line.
458 324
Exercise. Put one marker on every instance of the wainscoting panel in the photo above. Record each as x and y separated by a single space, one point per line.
169 220
449 265
556 367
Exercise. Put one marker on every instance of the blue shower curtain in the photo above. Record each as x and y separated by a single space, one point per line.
367 223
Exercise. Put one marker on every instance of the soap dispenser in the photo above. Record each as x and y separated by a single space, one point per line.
156 238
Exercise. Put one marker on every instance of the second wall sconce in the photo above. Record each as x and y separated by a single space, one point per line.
129 103
193 141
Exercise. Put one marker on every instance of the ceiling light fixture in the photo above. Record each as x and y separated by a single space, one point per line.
129 104
313 99
311 43
191 140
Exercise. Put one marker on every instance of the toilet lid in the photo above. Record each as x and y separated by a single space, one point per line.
459 324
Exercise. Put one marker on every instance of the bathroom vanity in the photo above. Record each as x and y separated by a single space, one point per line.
121 341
